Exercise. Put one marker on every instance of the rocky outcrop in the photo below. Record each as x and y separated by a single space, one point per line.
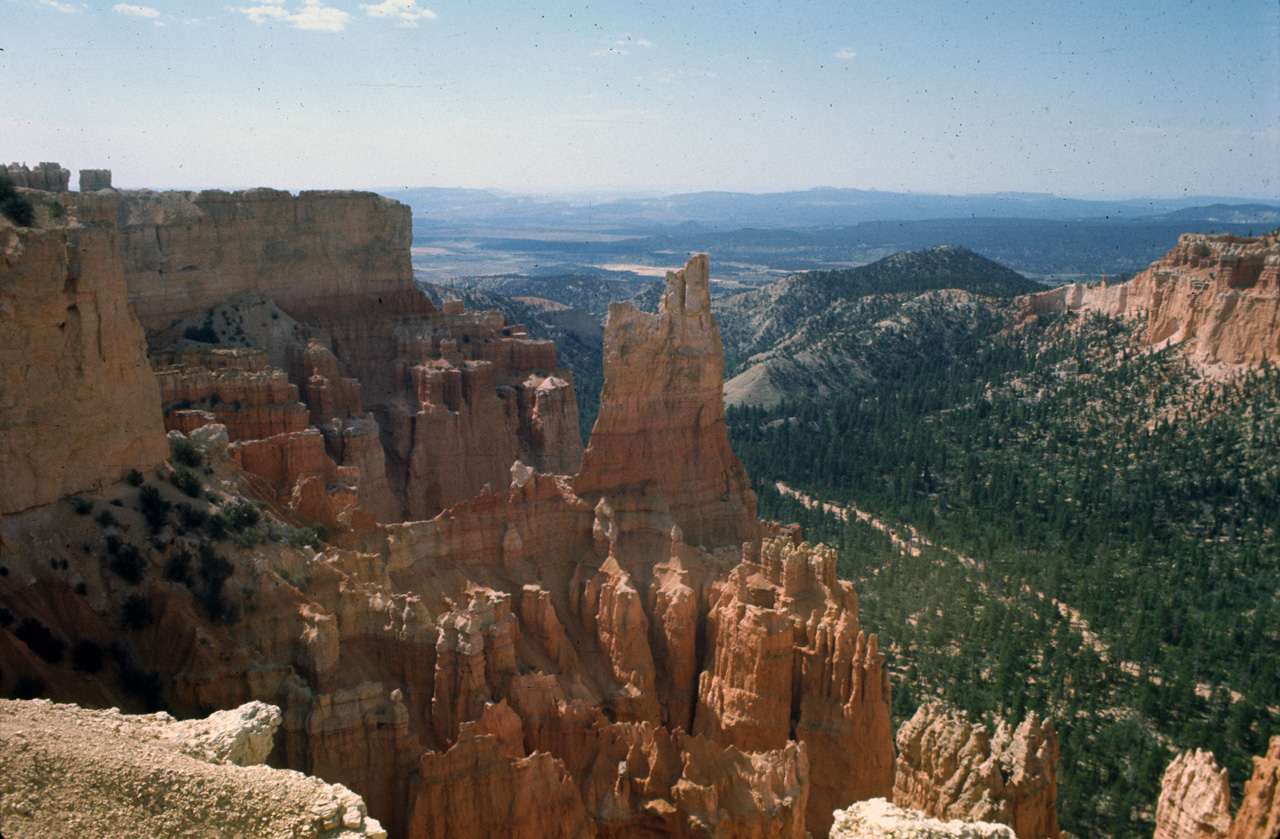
785 644
473 791
66 770
953 769
78 404
528 642
1195 799
661 424
48 177
94 179
1218 295
186 252
429 405
1259 813
878 819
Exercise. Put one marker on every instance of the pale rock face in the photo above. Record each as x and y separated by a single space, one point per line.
243 736
48 177
950 768
71 771
661 423
78 404
1218 295
878 819
1195 799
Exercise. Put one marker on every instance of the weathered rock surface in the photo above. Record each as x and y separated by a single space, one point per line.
69 771
1195 799
1259 813
1219 295
430 405
78 404
473 791
48 177
661 424
952 769
784 636
878 819
528 642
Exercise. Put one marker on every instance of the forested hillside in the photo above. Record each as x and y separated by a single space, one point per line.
1096 539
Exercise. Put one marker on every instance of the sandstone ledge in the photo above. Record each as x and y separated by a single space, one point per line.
71 771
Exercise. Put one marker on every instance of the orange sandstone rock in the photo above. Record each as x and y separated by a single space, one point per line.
474 791
1259 813
661 423
1219 295
951 769
78 405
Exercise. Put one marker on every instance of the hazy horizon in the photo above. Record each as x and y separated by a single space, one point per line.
1088 99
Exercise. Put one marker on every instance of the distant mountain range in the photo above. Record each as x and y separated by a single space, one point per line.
821 207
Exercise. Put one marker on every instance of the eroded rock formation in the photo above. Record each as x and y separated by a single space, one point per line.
48 177
952 769
661 427
1195 799
534 639
1219 295
429 405
78 404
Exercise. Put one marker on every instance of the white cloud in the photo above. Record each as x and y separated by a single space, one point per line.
66 8
846 53
644 43
408 11
135 11
313 15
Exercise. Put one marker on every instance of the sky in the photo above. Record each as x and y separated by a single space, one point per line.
1087 98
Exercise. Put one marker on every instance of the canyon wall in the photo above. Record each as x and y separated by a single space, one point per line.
185 252
527 643
1218 295
427 406
78 404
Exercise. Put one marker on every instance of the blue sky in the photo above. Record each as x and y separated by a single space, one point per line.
1074 97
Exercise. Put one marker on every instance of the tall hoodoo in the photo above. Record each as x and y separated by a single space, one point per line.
661 427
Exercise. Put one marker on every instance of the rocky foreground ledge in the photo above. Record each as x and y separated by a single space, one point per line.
71 771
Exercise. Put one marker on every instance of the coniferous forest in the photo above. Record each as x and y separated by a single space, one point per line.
1072 524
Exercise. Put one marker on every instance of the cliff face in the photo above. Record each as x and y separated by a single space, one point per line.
1195 799
428 406
530 642
661 427
952 769
185 252
1220 295
78 404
